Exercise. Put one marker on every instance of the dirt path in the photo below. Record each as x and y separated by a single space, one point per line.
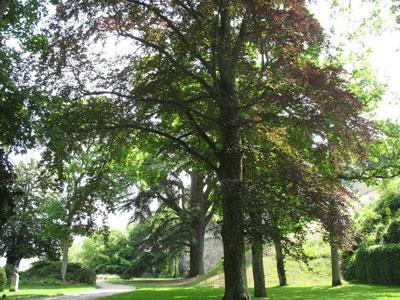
105 289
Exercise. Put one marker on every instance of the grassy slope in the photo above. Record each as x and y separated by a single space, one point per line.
304 284
35 291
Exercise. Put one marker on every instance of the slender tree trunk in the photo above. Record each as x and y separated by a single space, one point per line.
12 259
198 224
280 262
258 268
64 262
335 261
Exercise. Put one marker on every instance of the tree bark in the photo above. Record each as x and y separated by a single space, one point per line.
232 225
198 224
335 261
231 161
197 251
258 268
12 259
280 263
64 262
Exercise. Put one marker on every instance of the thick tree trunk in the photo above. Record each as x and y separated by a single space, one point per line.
232 225
231 156
197 251
64 262
280 262
198 224
335 261
258 268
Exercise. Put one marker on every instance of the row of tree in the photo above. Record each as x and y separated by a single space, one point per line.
238 95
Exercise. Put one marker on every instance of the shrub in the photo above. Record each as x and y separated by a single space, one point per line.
49 272
3 279
393 233
377 265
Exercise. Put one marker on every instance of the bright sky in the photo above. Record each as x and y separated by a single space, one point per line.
384 56
384 44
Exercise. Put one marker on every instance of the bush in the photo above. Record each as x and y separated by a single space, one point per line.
376 265
392 235
3 279
49 272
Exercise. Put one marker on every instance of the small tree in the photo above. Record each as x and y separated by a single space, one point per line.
85 189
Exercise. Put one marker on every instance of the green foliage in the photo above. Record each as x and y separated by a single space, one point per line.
376 265
316 248
378 222
127 254
392 235
3 279
48 272
21 236
106 254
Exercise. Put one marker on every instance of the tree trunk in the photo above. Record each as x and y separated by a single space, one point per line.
64 262
231 161
258 268
12 259
232 225
335 261
280 263
198 224
197 251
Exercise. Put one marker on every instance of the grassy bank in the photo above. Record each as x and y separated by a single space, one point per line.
304 283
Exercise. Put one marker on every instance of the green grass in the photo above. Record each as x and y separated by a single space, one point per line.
304 284
345 292
35 291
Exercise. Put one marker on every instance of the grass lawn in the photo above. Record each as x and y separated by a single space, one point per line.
304 284
35 291
350 292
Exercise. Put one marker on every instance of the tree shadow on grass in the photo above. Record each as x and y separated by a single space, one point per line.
345 292
170 293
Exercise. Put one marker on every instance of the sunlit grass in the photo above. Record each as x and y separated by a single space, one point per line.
35 291
304 284
345 292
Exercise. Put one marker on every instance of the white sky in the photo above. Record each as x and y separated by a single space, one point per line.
384 57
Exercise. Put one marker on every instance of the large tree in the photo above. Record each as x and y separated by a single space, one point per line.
203 75
21 234
193 205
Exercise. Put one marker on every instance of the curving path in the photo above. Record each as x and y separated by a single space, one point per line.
105 289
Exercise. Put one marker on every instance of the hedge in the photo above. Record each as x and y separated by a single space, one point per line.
376 265
3 279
